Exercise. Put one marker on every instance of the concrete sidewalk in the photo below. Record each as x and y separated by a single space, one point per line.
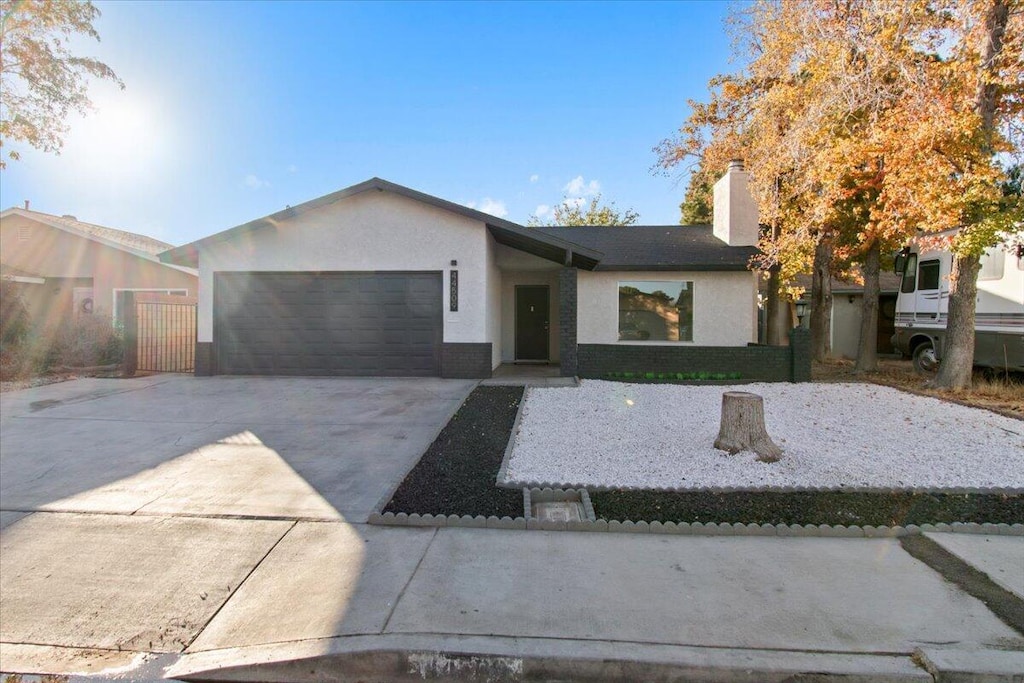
273 600
214 529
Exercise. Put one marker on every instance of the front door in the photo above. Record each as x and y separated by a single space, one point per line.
532 322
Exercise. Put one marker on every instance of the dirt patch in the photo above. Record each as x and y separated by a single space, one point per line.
990 391
30 382
456 475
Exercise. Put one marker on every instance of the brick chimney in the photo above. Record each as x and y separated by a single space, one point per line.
736 221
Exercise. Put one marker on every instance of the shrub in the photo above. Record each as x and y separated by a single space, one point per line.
86 340
14 320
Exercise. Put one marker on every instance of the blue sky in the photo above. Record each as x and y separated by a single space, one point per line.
233 110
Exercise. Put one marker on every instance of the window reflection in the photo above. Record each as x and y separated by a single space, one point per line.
656 310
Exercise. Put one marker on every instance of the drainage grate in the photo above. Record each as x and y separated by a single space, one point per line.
558 511
557 505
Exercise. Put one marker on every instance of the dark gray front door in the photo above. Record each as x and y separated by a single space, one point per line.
532 322
337 323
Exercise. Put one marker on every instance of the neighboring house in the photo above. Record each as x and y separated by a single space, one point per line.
65 267
379 279
847 303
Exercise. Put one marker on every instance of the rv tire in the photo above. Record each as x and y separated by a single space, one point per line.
925 361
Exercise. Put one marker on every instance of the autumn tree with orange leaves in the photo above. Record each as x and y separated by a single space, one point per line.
864 124
41 80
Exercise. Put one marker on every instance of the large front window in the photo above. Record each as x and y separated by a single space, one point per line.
656 310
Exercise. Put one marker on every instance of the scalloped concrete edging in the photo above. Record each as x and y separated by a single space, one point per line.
696 528
1003 491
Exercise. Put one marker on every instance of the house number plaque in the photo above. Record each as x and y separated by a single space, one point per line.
453 291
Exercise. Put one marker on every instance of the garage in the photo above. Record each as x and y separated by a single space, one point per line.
328 323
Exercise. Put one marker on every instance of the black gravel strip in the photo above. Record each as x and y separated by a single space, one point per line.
828 507
456 474
1004 604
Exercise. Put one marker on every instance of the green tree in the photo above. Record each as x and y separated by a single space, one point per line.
41 81
698 205
575 213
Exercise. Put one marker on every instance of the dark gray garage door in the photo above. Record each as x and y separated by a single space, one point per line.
328 323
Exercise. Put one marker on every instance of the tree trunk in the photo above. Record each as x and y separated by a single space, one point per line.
867 348
821 300
775 330
742 427
958 349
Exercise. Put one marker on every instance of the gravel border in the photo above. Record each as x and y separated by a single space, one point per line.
382 516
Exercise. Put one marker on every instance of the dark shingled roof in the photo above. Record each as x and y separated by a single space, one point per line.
656 247
888 283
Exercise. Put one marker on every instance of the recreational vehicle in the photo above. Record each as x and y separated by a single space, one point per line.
923 301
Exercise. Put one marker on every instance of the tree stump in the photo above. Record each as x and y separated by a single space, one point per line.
742 427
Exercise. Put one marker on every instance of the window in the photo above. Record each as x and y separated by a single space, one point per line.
928 275
656 310
992 264
910 275
24 233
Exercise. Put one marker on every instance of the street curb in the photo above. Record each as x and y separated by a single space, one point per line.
402 658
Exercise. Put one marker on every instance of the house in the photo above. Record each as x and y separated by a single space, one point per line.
380 279
66 267
846 313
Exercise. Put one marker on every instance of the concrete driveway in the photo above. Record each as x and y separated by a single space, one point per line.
267 447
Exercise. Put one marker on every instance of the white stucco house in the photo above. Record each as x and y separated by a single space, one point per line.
379 279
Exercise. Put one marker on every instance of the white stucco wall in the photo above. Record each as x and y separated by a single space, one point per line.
846 317
725 306
371 231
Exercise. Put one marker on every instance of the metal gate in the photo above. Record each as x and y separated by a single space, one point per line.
159 332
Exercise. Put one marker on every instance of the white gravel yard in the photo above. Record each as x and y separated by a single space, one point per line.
612 434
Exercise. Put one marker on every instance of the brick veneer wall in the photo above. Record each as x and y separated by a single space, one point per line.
764 363
567 348
458 361
205 359
800 344
466 360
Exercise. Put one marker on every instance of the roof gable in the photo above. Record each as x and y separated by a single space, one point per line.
506 232
142 246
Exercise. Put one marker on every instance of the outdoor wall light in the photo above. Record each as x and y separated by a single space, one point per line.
801 311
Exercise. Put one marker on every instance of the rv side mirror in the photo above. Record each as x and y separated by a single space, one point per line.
899 262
